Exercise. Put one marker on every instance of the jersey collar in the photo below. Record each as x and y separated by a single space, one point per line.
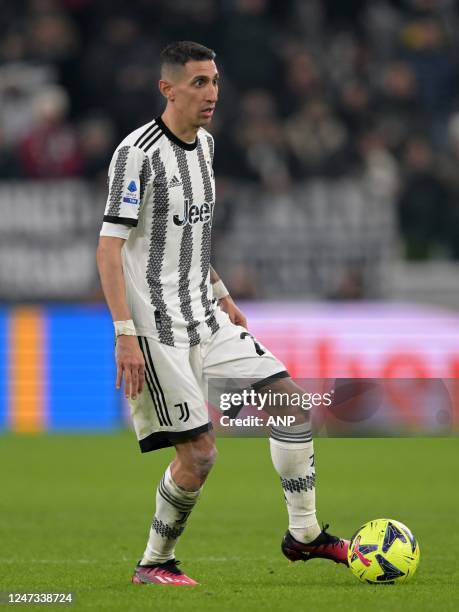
184 145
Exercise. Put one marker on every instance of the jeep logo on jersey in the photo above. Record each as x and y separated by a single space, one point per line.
192 214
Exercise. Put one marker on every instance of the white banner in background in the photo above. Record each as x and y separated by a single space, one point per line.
48 237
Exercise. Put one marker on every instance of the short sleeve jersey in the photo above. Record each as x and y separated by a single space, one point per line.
163 190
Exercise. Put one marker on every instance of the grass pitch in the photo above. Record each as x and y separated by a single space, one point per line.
75 513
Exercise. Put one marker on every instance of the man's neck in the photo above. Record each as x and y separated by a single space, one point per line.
183 131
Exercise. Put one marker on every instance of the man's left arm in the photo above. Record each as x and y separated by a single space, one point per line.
225 301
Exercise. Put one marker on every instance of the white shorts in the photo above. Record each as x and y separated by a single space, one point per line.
172 406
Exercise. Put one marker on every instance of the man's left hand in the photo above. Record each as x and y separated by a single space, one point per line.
236 316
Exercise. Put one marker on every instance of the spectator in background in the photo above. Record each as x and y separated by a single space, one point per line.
317 140
303 80
53 40
399 111
355 106
202 17
378 167
249 46
96 137
426 48
423 205
20 79
50 149
119 73
382 22
262 149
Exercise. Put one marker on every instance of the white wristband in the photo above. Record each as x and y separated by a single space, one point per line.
219 290
124 328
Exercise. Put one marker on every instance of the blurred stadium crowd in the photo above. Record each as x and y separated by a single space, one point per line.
310 88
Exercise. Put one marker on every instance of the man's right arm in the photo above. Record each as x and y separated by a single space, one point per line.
129 359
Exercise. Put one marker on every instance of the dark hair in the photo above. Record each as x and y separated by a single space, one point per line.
184 51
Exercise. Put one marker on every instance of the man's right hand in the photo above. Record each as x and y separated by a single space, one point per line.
130 365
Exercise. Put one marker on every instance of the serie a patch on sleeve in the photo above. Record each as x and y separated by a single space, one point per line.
131 191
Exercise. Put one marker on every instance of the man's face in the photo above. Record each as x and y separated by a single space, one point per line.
194 89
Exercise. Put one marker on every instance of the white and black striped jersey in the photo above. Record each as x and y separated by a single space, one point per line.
161 198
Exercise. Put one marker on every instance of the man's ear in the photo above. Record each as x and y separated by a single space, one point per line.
167 89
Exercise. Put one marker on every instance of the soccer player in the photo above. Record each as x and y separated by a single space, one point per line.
176 325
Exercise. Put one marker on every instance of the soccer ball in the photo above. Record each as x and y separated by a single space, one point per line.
383 551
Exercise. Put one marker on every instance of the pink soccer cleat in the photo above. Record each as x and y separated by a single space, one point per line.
325 546
162 573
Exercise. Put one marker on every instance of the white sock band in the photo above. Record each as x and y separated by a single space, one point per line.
173 507
296 434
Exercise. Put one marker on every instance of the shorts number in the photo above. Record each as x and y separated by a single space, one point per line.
258 348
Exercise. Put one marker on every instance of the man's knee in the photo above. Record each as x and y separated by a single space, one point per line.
198 455
203 457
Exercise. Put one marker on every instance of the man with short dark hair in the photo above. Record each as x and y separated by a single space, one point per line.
176 324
